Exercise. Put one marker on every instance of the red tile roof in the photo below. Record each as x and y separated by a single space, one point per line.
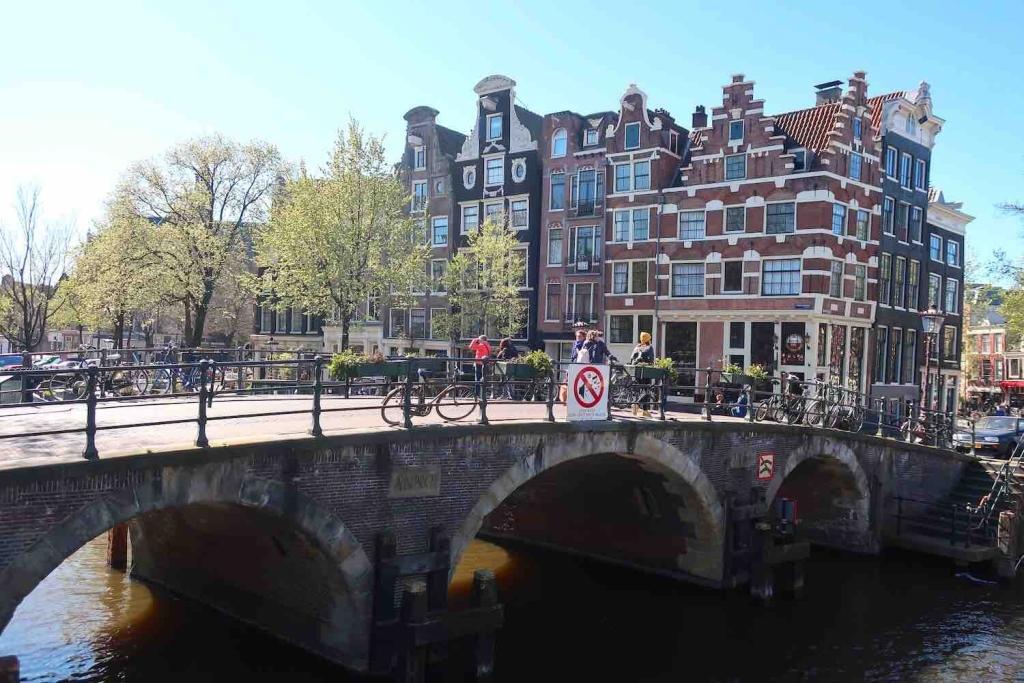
809 128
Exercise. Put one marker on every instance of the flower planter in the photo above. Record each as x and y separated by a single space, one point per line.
432 365
517 370
647 372
738 378
387 369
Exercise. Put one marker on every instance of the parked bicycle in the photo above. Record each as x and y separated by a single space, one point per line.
455 401
72 382
625 391
184 379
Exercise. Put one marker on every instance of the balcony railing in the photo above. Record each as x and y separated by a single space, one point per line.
586 207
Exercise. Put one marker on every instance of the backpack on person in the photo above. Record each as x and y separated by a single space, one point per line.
583 355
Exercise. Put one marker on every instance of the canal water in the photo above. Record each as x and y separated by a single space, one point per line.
898 618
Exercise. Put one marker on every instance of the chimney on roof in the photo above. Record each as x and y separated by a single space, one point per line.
700 117
828 92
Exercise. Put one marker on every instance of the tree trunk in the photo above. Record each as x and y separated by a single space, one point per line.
201 310
119 331
345 322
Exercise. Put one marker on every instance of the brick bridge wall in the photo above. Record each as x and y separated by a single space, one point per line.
281 534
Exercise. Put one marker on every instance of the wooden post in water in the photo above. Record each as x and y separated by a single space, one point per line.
10 670
485 594
117 547
412 659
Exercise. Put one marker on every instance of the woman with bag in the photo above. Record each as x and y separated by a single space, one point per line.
643 354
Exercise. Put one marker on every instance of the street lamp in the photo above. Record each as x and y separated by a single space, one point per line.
931 323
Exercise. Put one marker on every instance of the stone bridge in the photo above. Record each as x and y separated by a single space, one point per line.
281 534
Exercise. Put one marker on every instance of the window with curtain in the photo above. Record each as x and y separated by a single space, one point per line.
558 143
781 277
691 225
687 279
780 218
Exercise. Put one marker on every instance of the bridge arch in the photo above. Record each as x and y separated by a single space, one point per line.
677 491
832 493
294 524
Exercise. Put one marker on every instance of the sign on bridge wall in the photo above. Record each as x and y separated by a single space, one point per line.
588 392
414 482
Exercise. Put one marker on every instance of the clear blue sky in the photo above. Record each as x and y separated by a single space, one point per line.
87 88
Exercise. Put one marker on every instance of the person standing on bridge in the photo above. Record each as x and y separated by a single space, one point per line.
643 354
481 351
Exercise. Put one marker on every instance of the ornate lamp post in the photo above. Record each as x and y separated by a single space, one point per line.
931 323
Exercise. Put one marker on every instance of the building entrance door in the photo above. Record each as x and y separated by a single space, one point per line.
762 345
681 347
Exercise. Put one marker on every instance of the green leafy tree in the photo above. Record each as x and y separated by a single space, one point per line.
204 195
333 242
117 274
483 282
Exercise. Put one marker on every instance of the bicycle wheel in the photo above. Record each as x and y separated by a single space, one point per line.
161 382
456 402
391 410
856 419
814 415
763 410
620 392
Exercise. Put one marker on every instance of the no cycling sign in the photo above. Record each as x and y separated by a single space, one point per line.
588 392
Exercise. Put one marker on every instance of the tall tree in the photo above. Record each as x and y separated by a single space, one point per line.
32 260
117 274
335 241
483 282
204 194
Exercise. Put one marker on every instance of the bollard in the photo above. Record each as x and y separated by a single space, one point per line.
318 387
201 440
662 398
26 380
407 397
482 389
10 670
240 380
879 432
412 661
103 364
707 395
551 394
90 416
485 594
117 547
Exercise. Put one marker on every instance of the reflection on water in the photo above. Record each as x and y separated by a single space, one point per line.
902 618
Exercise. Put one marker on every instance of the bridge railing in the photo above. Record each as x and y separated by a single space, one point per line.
403 390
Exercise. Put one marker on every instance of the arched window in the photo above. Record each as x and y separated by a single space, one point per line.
558 143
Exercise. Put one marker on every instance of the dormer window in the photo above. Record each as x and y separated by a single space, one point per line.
633 135
799 160
420 157
558 143
735 131
590 136
494 127
857 129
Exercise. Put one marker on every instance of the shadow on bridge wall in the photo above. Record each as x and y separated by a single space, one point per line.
832 494
247 546
629 499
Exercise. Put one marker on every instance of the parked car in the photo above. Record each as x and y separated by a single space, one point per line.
993 435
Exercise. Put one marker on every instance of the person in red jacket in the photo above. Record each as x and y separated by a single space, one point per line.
481 350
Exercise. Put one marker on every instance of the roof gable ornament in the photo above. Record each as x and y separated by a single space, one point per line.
624 105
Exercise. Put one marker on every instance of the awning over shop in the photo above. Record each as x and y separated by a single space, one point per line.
1012 384
984 390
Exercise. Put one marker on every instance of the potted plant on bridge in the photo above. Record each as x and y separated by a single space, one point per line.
733 374
349 364
533 364
759 378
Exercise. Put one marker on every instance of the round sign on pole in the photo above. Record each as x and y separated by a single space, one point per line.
589 387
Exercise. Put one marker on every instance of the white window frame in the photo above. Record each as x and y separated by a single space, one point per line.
630 268
462 222
934 277
725 166
416 151
436 285
915 211
512 213
732 291
559 136
433 222
898 220
501 123
570 293
732 123
860 283
561 246
941 253
500 212
858 128
525 248
501 167
547 298
836 280
842 215
892 161
703 222
920 171
703 279
910 170
628 176
551 190
640 162
802 166
859 166
590 137
800 276
417 207
764 228
725 218
625 135
888 226
954 306
956 252
861 213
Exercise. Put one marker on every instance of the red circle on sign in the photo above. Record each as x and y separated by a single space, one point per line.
581 381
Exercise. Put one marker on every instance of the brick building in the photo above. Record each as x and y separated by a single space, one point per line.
573 220
944 272
985 368
427 167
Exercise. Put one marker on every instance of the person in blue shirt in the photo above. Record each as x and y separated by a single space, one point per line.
581 337
740 409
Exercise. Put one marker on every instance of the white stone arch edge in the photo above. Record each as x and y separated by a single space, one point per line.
581 445
224 484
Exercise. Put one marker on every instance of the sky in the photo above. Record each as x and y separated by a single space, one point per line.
86 89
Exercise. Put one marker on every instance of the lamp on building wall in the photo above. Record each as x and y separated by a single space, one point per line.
931 323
